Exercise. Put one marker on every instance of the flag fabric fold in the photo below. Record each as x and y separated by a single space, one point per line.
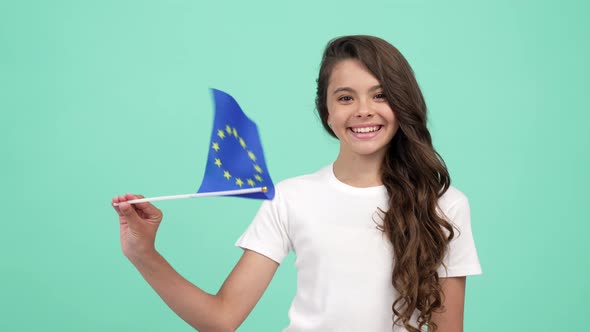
235 160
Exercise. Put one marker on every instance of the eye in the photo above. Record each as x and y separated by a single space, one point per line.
345 99
380 96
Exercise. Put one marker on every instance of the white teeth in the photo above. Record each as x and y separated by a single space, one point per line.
365 129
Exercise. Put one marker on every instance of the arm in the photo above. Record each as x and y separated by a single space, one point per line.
206 312
450 317
224 311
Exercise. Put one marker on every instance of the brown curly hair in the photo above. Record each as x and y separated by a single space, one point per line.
414 174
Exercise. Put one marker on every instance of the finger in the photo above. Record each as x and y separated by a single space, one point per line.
145 209
114 201
118 199
128 211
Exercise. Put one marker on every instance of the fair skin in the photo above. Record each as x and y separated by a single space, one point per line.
355 100
220 312
362 120
364 124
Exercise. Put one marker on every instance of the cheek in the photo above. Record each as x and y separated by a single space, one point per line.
335 118
332 115
388 114
392 118
330 110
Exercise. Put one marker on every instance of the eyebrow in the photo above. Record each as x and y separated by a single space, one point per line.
347 89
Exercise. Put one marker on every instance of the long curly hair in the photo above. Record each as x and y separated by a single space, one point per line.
414 174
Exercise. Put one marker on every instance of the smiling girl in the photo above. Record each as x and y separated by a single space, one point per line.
382 240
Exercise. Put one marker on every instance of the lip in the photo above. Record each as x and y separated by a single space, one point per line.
366 125
365 136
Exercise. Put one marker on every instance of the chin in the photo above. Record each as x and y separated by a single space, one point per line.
369 152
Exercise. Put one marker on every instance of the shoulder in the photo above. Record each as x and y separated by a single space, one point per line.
303 183
292 193
452 198
454 206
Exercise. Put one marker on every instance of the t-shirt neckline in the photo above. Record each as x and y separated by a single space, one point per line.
329 170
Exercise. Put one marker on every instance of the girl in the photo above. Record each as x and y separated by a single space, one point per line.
383 242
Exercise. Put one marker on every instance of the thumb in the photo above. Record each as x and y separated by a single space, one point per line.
148 211
129 212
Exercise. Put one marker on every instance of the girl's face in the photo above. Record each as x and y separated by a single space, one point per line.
358 112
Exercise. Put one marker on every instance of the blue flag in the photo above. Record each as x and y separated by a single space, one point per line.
235 158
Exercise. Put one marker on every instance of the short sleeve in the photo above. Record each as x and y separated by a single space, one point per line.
268 232
461 258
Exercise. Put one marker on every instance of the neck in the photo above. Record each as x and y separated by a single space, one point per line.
358 171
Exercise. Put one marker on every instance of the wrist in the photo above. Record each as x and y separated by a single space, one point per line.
143 257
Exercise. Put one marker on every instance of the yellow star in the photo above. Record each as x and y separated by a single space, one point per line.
242 143
250 182
215 146
258 169
235 133
228 129
239 182
221 134
251 155
226 175
257 177
218 162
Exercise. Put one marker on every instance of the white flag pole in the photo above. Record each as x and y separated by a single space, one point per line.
214 193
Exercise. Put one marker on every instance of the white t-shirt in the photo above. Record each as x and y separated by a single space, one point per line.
344 261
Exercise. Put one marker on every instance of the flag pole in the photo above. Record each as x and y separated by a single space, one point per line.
213 193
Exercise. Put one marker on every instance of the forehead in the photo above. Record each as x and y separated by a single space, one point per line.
351 73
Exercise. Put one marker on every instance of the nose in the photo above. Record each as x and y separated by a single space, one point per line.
364 109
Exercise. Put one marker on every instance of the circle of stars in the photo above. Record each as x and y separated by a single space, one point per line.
228 133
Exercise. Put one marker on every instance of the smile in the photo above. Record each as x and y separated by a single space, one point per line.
371 129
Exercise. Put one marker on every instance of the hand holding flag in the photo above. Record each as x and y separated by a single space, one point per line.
235 164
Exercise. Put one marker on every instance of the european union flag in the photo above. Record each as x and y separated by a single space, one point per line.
235 158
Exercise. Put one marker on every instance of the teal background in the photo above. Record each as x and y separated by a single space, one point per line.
99 98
